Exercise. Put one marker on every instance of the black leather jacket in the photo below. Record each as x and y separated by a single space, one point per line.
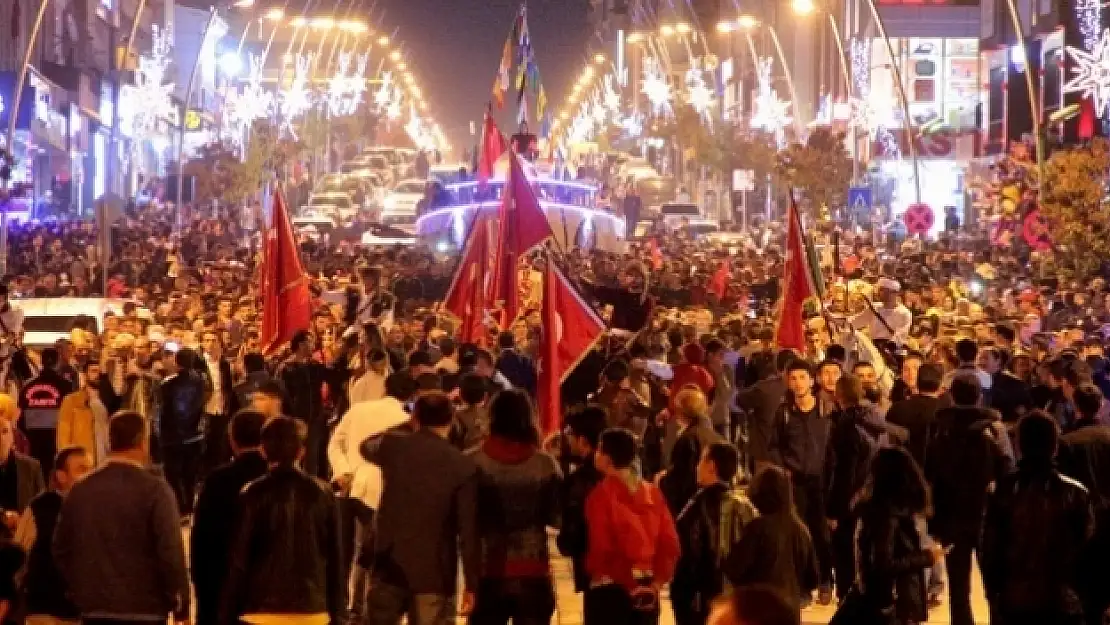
182 407
698 578
286 554
892 563
1038 524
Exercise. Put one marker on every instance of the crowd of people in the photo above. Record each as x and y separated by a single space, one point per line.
950 404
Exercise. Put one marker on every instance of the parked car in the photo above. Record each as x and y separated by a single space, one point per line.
336 204
399 206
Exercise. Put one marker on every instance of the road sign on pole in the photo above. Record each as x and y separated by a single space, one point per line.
743 180
859 200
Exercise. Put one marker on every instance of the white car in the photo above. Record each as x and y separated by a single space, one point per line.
47 319
337 204
314 225
399 206
387 237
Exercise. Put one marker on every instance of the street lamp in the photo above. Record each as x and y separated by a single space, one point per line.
275 14
231 64
323 23
299 21
383 41
395 56
634 37
599 58
666 30
682 28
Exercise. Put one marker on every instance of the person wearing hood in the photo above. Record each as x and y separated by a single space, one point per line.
518 487
855 437
632 544
679 482
1037 529
969 452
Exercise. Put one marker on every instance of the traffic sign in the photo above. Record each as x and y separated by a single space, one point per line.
859 200
918 219
743 180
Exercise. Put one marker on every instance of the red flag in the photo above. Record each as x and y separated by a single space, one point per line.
521 226
468 296
490 149
570 330
718 284
286 302
797 285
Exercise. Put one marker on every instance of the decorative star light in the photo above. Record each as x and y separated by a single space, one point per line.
633 125
346 86
770 112
698 94
384 93
149 101
251 103
295 100
1092 73
655 86
393 107
610 97
598 111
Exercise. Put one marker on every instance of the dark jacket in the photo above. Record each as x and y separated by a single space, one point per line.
518 488
518 369
427 515
41 398
966 455
214 528
572 537
1010 396
182 409
286 555
28 480
892 562
304 384
760 403
1085 456
118 546
241 397
917 416
775 550
44 588
681 480
698 578
799 440
1038 523
853 441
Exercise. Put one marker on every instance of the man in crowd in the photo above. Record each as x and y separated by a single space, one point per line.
305 379
47 600
582 432
969 453
182 427
218 406
21 476
40 401
123 561
427 518
286 556
217 508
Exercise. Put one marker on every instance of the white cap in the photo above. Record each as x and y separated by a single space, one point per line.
889 284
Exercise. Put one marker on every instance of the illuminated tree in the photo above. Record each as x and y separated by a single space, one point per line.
1074 203
820 169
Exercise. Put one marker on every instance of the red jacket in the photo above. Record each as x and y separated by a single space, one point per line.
629 530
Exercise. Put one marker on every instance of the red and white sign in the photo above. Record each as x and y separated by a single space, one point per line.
945 144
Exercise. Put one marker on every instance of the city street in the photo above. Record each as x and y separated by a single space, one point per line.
569 610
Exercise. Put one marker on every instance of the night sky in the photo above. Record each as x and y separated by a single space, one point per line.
455 46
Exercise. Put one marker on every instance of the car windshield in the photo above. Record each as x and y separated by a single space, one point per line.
331 199
61 324
410 187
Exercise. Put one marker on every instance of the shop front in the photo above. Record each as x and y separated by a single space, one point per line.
41 146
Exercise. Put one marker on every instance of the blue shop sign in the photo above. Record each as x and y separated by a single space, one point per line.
7 101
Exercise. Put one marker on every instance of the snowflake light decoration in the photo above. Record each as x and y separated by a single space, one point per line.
1092 73
346 86
770 113
384 93
296 99
610 97
698 94
1088 17
633 125
244 106
655 86
598 110
149 100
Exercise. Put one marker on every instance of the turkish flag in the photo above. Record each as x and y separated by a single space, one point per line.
570 330
522 225
286 302
798 285
718 284
468 296
491 148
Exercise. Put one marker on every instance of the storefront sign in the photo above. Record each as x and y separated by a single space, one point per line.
944 144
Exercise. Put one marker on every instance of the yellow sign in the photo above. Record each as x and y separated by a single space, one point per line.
192 120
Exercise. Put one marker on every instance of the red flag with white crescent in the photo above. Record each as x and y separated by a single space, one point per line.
570 330
286 301
468 295
798 285
522 225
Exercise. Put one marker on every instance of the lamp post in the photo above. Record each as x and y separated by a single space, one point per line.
1034 106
